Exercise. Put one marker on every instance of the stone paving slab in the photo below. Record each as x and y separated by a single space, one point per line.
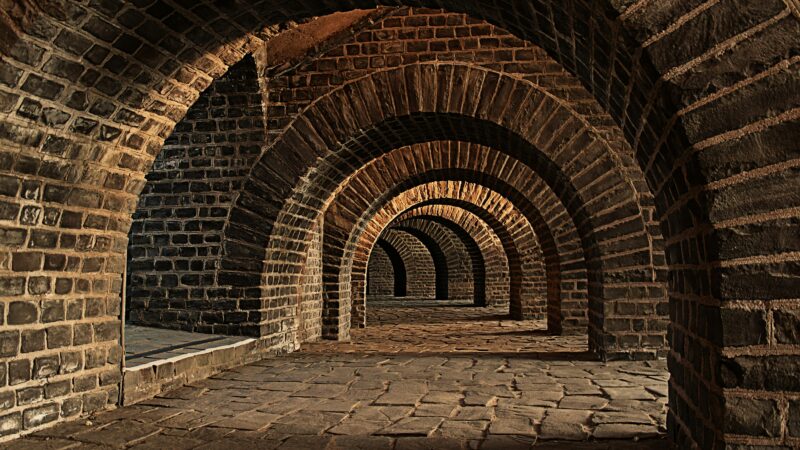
333 397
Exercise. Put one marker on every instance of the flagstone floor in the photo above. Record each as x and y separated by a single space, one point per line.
419 377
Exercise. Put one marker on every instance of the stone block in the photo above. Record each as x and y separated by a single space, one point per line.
10 424
40 415
30 395
33 340
22 313
752 417
19 371
9 343
787 326
45 366
742 327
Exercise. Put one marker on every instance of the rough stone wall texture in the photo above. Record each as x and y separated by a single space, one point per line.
177 228
710 112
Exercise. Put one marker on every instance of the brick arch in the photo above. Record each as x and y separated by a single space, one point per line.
472 229
439 258
420 264
331 125
399 283
323 116
489 260
527 290
688 99
467 273
563 253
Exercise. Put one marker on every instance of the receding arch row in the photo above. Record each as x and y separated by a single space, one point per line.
441 159
467 269
634 57
421 266
487 258
455 276
428 127
447 158
477 200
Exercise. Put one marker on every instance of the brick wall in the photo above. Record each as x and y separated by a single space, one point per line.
381 273
460 279
420 268
309 317
176 235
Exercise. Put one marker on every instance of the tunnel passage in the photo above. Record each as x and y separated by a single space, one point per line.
700 123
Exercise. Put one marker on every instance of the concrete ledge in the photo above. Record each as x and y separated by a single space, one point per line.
145 381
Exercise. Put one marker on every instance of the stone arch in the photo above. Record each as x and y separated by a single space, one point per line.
489 261
458 190
420 264
557 234
491 249
431 126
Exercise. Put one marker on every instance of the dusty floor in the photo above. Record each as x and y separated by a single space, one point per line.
418 377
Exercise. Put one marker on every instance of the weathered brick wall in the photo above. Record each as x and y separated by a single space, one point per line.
381 273
309 316
177 228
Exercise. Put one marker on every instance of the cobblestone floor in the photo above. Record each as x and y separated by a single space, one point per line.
418 378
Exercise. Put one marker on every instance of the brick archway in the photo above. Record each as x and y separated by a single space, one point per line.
485 248
680 92
456 190
486 252
440 263
468 271
430 127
